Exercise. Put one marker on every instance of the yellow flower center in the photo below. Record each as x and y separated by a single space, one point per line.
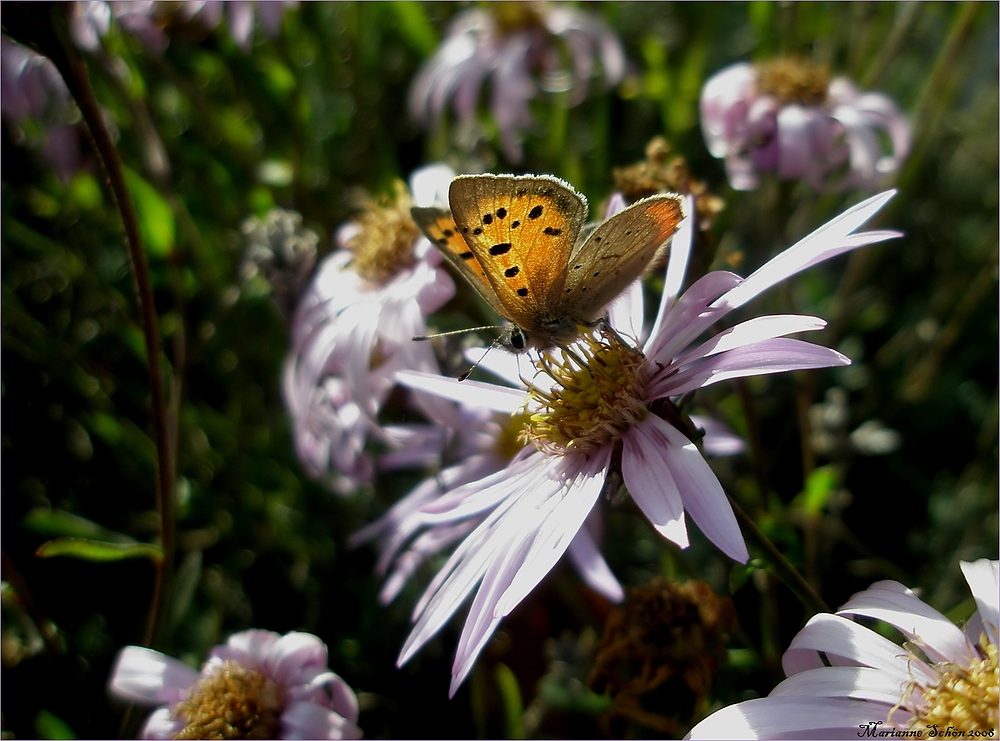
596 397
509 442
233 702
384 244
794 80
965 698
511 17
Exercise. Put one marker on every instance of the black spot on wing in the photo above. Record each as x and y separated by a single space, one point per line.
515 224
467 255
522 291
535 212
488 219
500 249
512 271
477 230
501 212
552 231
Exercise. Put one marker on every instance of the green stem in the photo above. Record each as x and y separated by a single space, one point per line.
45 27
778 563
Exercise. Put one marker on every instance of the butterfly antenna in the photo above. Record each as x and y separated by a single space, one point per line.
421 337
476 364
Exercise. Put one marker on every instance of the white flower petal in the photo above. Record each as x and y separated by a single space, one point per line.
429 185
846 643
649 478
593 569
984 581
754 330
161 725
523 564
680 254
291 654
703 496
770 356
473 393
625 313
848 682
826 242
486 543
789 718
147 677
308 720
937 636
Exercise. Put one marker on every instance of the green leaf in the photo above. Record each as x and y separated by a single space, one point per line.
156 218
56 522
48 725
415 26
819 486
513 706
96 550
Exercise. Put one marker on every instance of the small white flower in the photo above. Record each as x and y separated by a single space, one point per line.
257 685
847 681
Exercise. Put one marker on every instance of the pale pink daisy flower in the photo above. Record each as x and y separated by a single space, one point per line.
522 48
845 680
583 404
353 331
258 684
788 118
483 442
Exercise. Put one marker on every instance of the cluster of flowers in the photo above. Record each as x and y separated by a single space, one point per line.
519 465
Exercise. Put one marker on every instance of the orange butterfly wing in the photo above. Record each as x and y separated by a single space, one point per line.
439 227
521 230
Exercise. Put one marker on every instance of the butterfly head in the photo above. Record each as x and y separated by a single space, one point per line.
514 339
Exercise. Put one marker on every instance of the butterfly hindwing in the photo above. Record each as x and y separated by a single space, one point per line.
617 252
521 230
439 227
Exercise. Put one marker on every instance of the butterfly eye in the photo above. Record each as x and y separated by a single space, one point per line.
515 339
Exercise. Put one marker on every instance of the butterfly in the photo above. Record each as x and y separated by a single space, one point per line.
520 240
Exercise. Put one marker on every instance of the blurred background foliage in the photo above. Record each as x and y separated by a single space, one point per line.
897 478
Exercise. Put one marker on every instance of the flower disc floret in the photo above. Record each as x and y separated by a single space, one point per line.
597 395
964 697
232 702
383 244
794 80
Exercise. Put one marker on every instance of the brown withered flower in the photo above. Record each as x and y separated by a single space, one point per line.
662 173
660 651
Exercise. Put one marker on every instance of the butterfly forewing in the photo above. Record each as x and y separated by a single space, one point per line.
439 227
521 230
617 252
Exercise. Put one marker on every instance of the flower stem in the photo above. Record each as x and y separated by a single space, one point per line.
778 563
45 27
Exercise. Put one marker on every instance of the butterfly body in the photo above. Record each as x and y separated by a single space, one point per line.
521 242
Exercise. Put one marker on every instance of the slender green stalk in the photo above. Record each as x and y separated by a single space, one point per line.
778 563
45 27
